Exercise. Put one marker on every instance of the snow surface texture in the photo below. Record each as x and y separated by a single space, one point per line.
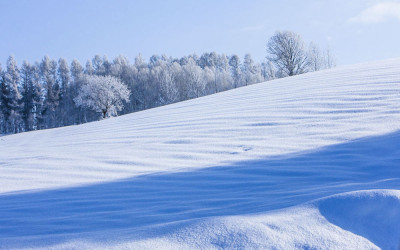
311 161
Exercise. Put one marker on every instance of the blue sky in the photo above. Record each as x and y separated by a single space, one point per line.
355 31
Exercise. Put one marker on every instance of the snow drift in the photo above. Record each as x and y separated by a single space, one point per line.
310 161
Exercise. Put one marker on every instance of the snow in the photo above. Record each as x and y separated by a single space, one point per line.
310 161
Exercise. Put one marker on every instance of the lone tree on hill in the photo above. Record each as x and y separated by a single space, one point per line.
105 94
287 52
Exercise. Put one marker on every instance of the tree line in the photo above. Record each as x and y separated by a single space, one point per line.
52 93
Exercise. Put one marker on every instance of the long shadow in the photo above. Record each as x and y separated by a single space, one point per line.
145 202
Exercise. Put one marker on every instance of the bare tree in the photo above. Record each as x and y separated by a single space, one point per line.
315 57
287 51
329 59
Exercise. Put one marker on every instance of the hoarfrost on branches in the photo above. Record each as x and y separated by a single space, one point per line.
105 94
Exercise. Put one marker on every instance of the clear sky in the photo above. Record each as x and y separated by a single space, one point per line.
354 30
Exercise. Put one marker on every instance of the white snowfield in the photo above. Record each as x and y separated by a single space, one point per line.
311 161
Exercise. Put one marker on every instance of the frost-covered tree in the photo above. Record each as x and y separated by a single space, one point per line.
32 98
11 97
119 68
207 60
251 72
209 63
98 67
28 102
234 62
42 95
316 60
76 70
38 97
64 77
287 51
106 66
195 79
154 59
4 104
48 70
264 71
320 60
268 71
105 94
329 59
165 90
89 68
140 84
222 74
176 94
79 114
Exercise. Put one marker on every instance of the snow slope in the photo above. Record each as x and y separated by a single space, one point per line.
311 161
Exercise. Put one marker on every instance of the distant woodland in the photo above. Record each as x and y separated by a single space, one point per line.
54 93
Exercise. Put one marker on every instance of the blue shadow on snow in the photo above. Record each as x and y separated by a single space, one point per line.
134 204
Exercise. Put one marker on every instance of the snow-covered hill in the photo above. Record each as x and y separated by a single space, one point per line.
311 161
